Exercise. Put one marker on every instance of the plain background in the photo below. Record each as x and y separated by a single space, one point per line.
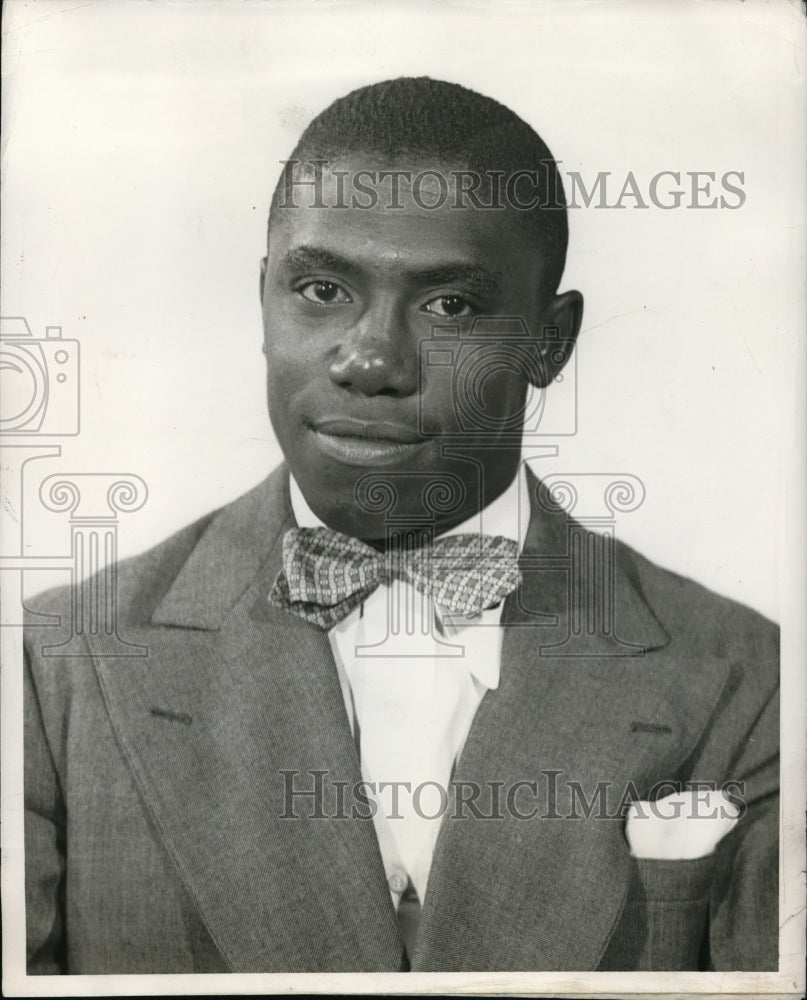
142 143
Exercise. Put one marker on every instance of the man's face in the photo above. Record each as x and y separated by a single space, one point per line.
349 296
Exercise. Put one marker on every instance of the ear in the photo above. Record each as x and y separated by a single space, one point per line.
559 326
262 279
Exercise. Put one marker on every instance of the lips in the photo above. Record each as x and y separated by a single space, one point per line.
365 442
375 430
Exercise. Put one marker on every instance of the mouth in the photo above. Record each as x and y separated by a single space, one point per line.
365 443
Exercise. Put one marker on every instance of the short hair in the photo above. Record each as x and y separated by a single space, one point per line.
416 117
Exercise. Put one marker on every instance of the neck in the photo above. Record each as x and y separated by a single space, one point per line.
503 511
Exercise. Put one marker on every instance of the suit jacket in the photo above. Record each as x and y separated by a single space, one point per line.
155 831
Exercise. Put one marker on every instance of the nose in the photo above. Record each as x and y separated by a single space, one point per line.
379 357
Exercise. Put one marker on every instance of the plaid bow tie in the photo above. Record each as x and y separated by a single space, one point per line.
326 574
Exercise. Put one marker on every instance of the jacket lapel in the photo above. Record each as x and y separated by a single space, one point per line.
545 892
233 694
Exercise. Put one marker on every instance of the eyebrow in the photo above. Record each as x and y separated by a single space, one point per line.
310 258
481 279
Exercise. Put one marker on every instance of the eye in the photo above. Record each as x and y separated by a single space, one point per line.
453 306
324 293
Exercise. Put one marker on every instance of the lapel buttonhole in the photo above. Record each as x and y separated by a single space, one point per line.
649 727
164 713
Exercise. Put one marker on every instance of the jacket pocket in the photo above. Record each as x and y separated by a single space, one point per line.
664 920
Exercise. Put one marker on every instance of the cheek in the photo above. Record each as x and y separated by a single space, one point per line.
438 400
284 370
503 392
478 392
278 329
287 350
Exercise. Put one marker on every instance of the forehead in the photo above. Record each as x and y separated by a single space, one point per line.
395 213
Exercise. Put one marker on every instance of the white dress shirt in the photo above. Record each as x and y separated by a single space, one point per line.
412 679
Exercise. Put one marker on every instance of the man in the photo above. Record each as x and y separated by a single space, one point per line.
393 611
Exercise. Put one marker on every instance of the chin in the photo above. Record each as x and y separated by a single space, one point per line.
352 521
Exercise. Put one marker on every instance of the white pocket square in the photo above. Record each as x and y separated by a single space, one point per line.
681 826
